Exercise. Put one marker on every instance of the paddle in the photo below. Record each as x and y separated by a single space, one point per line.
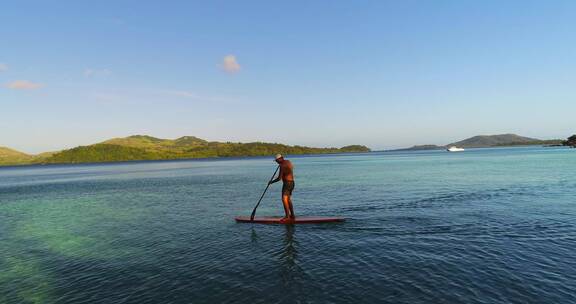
254 211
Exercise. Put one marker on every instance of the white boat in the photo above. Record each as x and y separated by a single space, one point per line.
454 149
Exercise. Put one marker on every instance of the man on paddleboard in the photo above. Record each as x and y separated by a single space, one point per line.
287 176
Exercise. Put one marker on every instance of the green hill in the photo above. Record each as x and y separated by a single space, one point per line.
186 141
482 141
354 149
157 145
142 147
11 157
485 141
100 153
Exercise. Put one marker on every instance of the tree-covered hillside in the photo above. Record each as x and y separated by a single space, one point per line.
142 147
101 153
502 140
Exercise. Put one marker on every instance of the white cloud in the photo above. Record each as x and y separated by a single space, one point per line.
230 64
3 67
96 72
23 85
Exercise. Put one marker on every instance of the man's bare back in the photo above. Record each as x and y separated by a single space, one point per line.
286 171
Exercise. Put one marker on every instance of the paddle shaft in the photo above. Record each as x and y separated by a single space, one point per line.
261 197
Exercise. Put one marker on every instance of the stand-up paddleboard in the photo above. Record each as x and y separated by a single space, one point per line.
297 220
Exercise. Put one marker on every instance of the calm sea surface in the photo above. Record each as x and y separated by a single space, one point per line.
481 226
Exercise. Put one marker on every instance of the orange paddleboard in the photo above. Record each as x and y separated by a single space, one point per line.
297 220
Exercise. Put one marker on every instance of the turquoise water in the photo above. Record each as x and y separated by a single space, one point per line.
481 226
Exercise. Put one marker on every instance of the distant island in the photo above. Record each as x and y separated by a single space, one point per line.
487 141
143 147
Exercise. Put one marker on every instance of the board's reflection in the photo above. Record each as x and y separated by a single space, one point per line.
290 252
287 253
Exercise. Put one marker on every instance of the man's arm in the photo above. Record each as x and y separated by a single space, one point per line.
278 178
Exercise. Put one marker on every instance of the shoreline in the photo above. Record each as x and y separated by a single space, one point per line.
215 158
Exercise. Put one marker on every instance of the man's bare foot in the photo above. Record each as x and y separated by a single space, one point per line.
286 220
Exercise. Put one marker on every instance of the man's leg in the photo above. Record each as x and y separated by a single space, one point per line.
292 215
287 205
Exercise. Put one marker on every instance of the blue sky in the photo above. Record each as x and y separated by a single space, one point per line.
385 74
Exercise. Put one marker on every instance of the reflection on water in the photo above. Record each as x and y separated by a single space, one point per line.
286 253
253 236
288 258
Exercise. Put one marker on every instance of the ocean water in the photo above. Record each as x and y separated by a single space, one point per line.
481 226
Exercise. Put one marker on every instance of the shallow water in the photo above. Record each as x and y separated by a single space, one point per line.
481 226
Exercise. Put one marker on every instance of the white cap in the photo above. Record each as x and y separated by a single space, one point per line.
278 156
